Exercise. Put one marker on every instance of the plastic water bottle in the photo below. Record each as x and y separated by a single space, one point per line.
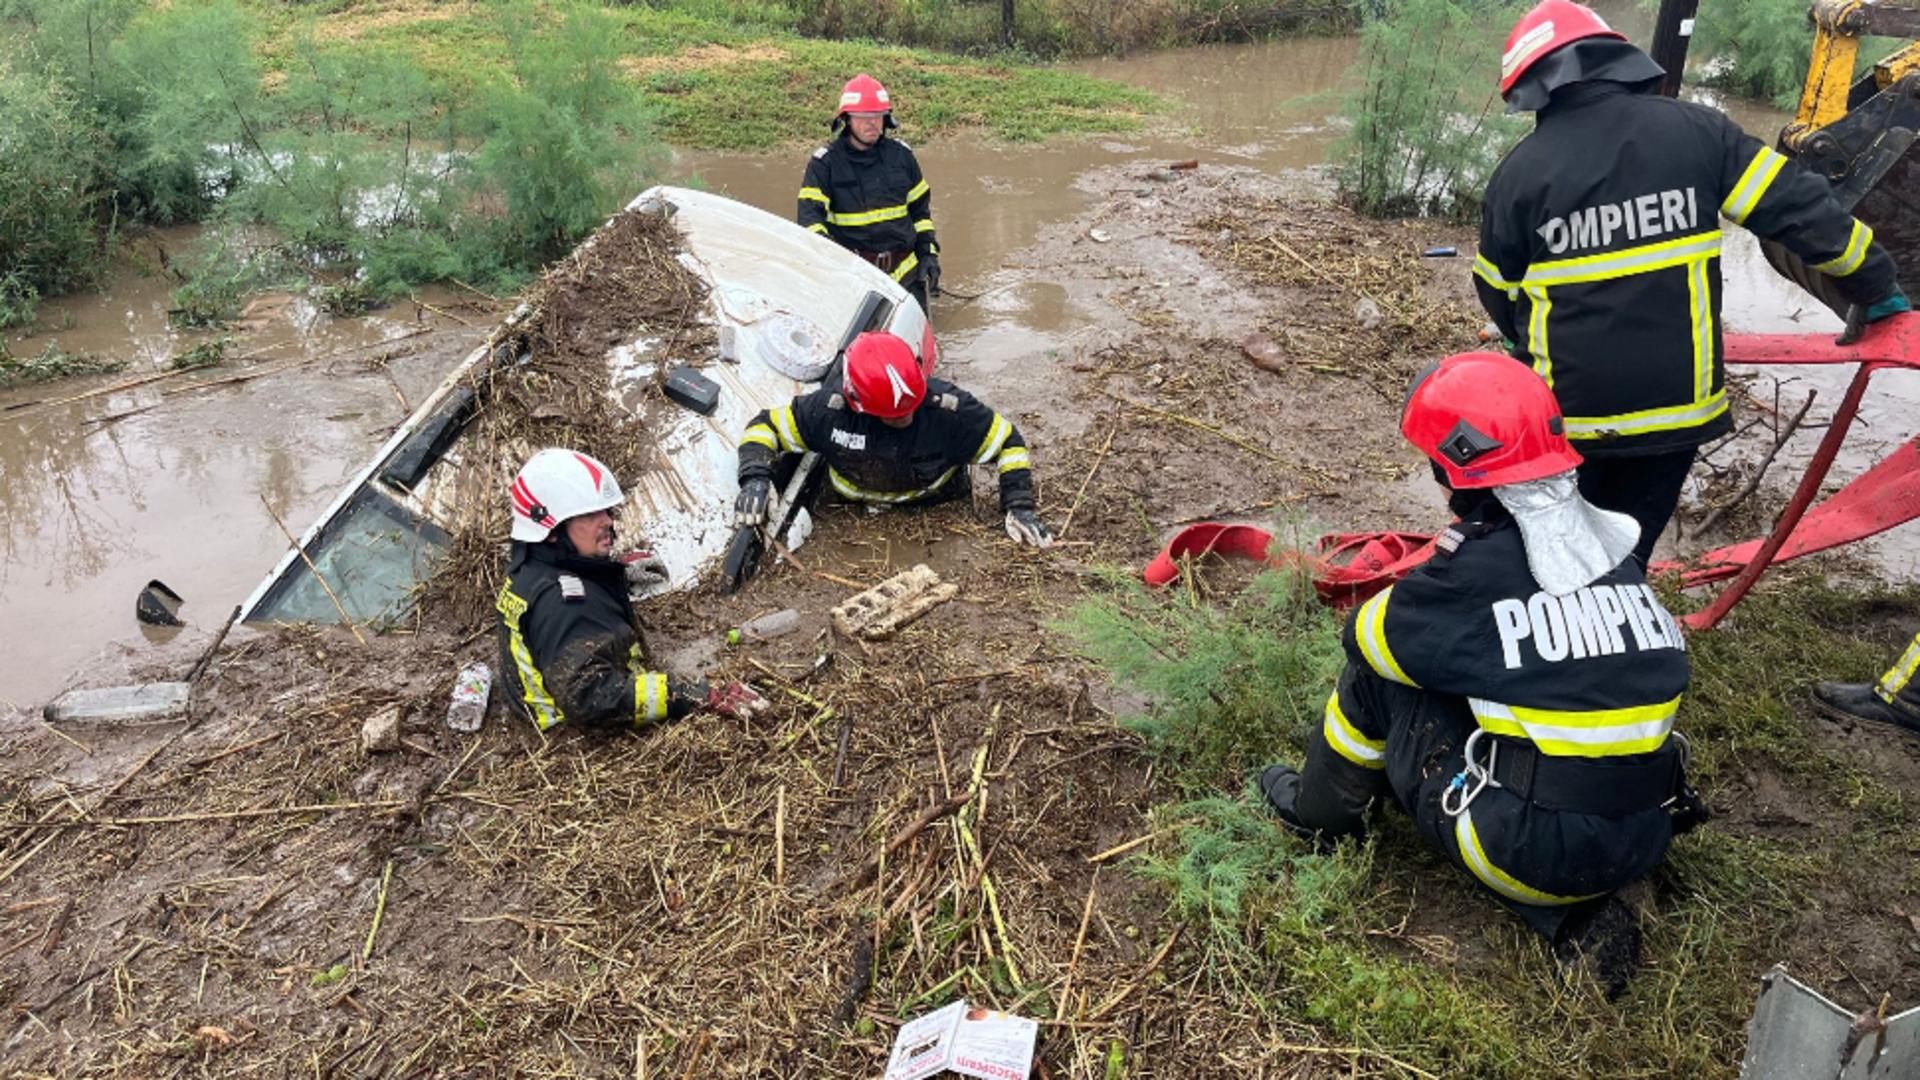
470 690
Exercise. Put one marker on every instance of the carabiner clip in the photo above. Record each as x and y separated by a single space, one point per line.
1458 796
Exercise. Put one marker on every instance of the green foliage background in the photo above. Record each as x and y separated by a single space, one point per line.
1426 123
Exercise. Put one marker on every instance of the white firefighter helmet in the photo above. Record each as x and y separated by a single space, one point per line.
557 484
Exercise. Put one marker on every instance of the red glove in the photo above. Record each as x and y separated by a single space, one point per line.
735 699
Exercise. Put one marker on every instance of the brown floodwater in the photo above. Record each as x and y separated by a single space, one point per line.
174 487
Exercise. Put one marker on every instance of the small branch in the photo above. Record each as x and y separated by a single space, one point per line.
1216 432
900 839
315 571
1753 483
379 912
200 665
1099 460
219 815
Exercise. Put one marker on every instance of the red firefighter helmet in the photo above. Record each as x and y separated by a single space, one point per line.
1487 420
863 94
1550 25
883 376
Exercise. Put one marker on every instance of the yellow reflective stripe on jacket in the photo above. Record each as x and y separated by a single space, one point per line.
1849 260
1475 856
923 225
849 489
997 434
1752 185
1901 673
1370 628
868 217
1539 304
540 704
1484 269
1013 457
1700 306
1347 741
817 227
1625 263
649 698
1635 729
906 267
1648 420
789 429
816 195
760 435
917 190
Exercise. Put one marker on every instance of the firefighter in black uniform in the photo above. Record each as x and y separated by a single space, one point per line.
1892 699
865 191
1516 694
891 436
1600 245
568 639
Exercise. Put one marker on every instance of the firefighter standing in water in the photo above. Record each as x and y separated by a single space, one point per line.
1516 694
1600 252
568 639
865 191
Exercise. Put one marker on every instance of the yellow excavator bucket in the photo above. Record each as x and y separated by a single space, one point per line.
1859 133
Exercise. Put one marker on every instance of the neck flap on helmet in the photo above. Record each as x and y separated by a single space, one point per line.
1570 542
1587 60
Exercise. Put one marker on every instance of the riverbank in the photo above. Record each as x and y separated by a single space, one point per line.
740 76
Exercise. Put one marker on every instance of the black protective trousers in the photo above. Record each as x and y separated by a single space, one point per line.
1426 739
1645 487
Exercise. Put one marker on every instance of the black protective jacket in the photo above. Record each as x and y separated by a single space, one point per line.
1599 257
570 647
1588 683
872 200
869 461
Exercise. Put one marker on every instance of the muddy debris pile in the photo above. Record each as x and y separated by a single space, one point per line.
1366 302
548 384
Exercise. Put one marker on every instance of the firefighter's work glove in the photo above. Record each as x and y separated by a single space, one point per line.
750 506
1025 526
930 271
644 569
735 699
1892 304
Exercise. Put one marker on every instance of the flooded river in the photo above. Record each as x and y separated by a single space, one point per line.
149 481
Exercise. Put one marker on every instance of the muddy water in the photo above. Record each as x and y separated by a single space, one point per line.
161 481
96 508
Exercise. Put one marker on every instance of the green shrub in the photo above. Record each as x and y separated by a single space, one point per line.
50 199
53 363
19 300
1761 48
1231 685
569 137
1427 123
214 278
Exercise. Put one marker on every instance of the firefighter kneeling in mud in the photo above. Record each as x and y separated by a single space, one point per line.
890 436
1516 694
567 632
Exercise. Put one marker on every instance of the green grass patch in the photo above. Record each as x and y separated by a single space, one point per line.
736 77
1319 940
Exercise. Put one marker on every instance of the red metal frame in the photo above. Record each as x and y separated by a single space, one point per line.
1879 499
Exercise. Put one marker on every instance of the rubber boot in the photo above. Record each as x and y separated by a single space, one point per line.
1862 701
1601 942
1328 800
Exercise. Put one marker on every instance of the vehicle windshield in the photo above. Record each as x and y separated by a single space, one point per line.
373 555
